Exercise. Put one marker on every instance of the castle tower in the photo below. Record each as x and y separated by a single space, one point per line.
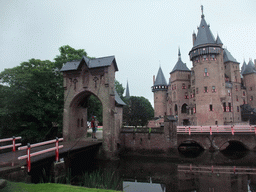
160 90
207 77
249 78
178 92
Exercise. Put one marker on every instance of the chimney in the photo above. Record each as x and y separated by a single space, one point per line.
194 38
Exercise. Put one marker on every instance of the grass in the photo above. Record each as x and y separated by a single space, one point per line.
104 179
42 187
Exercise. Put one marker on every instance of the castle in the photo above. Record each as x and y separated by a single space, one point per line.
212 91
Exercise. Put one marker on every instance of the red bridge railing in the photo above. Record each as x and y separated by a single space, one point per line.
216 129
13 145
29 154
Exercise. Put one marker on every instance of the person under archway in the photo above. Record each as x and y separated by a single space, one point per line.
94 127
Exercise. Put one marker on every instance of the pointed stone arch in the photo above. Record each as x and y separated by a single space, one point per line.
83 79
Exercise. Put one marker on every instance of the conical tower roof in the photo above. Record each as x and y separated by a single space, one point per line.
243 67
204 34
127 94
218 41
249 69
160 79
180 66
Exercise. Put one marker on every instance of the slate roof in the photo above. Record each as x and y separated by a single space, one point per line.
180 66
118 100
243 67
204 34
160 79
249 69
218 41
91 63
228 57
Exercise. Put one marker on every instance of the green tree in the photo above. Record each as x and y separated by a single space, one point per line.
138 111
119 88
68 53
33 99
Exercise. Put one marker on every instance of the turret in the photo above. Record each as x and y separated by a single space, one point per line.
160 89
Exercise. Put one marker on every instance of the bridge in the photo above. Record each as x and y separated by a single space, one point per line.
9 162
170 136
218 136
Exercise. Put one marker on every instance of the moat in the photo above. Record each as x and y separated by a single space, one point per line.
205 171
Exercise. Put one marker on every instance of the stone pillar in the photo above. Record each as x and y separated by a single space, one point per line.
170 130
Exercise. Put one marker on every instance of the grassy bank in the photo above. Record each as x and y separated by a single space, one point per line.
16 187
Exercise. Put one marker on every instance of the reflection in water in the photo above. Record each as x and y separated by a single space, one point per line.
207 172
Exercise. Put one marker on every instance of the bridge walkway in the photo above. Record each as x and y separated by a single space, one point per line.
9 161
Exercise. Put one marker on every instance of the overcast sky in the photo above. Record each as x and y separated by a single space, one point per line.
142 34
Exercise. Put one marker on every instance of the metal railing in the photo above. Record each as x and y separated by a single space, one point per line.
13 145
216 129
29 154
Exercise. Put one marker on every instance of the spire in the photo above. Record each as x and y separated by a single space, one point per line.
243 67
127 94
202 9
204 34
180 66
179 55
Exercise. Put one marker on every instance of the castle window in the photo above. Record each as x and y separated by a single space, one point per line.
236 88
251 99
250 88
224 107
229 94
229 107
237 108
210 108
196 90
183 86
176 109
205 90
206 74
189 86
213 89
243 93
236 98
82 122
194 109
235 78
213 57
205 58
244 101
184 108
186 95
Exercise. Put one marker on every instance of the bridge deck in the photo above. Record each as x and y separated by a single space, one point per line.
9 161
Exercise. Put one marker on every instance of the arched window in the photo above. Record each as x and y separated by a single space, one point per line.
184 108
82 122
176 109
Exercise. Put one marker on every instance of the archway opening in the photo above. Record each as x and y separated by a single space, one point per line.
234 149
83 107
184 108
190 148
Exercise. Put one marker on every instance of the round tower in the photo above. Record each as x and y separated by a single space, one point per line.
160 91
207 77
